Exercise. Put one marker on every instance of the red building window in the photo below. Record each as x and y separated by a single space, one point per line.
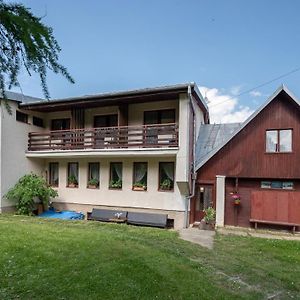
279 140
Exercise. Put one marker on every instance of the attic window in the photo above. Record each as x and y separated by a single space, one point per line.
279 140
21 117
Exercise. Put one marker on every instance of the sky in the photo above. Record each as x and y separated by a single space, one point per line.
226 47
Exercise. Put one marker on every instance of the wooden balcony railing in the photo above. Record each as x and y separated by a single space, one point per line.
145 136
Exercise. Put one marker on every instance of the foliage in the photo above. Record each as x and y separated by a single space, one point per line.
72 180
140 185
236 197
210 214
112 261
117 184
27 189
93 181
166 184
26 41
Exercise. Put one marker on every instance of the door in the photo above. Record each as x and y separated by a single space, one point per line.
108 135
156 117
202 200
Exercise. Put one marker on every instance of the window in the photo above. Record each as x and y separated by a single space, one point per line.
115 178
279 140
60 124
166 176
140 176
159 116
285 185
53 174
21 117
106 121
72 174
37 121
93 175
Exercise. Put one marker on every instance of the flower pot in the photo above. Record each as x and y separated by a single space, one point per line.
72 185
237 202
92 186
139 188
206 225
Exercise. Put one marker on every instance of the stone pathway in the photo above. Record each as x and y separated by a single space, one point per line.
204 238
277 235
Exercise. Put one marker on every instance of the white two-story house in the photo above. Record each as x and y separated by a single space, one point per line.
130 150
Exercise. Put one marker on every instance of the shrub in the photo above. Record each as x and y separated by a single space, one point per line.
210 215
29 188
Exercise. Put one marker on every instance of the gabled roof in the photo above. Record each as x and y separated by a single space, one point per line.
203 155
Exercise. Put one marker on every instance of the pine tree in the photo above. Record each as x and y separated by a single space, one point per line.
26 42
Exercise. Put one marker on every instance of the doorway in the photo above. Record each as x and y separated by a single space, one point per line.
202 200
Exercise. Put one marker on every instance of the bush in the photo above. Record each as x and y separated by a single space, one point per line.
29 188
210 215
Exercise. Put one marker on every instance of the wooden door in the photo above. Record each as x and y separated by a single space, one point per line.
202 200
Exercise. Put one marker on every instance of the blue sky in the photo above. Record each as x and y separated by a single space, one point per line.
226 47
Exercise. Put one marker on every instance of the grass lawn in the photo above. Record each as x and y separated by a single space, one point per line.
49 259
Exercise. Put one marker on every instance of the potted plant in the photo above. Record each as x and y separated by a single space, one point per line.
166 184
93 183
236 198
116 184
72 181
208 222
139 186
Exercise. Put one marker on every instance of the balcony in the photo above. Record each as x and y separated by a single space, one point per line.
123 137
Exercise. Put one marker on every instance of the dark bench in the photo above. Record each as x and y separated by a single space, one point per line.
292 225
108 215
147 219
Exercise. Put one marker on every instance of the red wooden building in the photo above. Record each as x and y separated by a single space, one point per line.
256 162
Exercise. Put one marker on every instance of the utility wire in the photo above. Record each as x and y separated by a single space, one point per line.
259 86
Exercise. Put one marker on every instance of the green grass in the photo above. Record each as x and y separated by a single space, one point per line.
51 259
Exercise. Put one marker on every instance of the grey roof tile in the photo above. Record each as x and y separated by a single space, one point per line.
211 136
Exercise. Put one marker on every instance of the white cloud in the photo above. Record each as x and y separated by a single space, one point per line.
224 108
255 94
235 90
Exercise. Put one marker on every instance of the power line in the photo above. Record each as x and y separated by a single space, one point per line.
259 86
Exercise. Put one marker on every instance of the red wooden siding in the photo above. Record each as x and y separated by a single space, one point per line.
248 186
276 206
245 156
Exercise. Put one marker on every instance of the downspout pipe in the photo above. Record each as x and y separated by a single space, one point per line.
192 191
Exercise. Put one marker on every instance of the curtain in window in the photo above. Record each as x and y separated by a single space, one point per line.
271 141
94 171
73 169
168 168
285 137
53 173
140 172
118 170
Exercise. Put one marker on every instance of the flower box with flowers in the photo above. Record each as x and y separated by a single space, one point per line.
236 198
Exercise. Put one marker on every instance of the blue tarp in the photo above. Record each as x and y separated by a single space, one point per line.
65 215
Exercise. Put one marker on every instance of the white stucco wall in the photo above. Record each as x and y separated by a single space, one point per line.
126 197
14 140
199 117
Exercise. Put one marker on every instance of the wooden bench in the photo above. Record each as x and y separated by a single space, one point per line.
108 215
293 225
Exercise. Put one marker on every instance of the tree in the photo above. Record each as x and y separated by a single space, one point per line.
26 42
29 189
